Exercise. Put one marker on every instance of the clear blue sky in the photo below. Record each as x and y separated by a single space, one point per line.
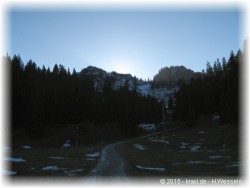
139 42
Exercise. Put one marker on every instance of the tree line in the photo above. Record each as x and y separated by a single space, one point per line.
215 90
42 98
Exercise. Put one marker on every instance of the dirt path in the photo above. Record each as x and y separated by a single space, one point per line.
110 167
111 164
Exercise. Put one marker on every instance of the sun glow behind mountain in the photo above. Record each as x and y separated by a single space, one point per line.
123 65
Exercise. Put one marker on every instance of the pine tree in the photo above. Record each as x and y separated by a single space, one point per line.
55 69
209 70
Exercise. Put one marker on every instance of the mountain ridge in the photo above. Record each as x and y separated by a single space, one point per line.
159 88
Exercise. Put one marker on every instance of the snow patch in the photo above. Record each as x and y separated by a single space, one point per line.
216 118
15 160
218 157
92 154
50 168
158 140
144 89
184 144
194 148
147 127
233 164
66 144
195 162
202 162
151 139
139 146
151 169
56 157
163 141
26 147
183 147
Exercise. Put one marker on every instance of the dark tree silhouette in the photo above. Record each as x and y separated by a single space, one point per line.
170 104
43 100
216 91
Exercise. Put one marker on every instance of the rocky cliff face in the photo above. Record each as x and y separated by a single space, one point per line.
165 83
172 76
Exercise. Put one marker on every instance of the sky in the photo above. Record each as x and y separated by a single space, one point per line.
140 42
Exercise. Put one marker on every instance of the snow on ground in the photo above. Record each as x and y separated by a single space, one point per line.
218 157
139 146
147 127
218 150
15 160
66 144
195 162
72 172
204 162
26 147
234 164
151 169
158 140
163 141
50 168
216 118
57 157
153 139
96 154
194 148
183 147
144 89
8 172
184 143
